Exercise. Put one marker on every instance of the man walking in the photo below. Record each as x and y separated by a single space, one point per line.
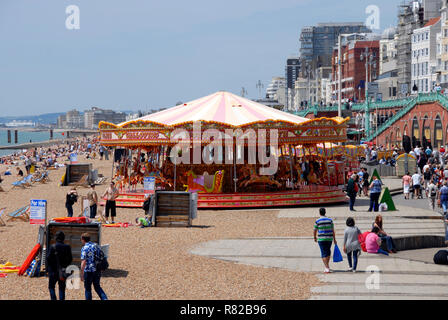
111 194
93 201
59 256
91 253
324 235
416 183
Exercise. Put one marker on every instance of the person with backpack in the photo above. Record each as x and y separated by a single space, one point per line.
351 243
91 258
431 192
59 257
70 199
427 175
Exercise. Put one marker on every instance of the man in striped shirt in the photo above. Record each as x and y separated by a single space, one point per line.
324 235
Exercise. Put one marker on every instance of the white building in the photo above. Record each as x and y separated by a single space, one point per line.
424 56
276 83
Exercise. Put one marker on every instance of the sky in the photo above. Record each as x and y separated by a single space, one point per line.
148 54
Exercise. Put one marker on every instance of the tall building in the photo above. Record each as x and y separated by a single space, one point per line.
317 42
93 116
410 17
424 56
388 78
292 71
442 48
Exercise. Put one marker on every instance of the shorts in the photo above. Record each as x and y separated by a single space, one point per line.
406 189
111 206
325 248
416 186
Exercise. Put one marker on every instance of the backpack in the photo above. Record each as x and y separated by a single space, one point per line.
102 264
433 192
362 240
441 257
427 175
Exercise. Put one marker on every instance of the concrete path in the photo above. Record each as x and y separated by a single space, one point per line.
405 275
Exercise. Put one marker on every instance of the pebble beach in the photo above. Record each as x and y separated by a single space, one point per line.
155 263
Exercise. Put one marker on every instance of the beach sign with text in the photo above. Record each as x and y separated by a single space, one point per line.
38 211
149 184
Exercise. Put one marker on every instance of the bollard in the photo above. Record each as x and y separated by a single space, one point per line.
9 136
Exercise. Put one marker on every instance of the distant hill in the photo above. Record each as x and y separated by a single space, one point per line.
46 118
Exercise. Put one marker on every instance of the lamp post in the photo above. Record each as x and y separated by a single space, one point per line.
368 57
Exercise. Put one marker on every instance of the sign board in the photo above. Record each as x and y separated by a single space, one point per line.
149 184
38 211
73 158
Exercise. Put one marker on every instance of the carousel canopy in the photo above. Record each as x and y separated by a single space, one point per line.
220 111
221 107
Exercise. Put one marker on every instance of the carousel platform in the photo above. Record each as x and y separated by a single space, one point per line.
305 196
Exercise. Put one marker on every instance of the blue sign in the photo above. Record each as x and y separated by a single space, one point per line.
149 183
38 211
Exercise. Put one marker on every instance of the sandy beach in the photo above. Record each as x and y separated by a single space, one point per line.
155 263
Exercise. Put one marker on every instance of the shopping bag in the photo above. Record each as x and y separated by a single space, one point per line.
337 256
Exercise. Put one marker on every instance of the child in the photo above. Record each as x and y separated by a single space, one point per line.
143 222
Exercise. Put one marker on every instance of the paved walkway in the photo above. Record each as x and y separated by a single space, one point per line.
405 275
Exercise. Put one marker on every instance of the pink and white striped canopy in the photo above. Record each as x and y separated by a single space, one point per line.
222 107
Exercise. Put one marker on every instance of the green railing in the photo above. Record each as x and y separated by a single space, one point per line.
406 104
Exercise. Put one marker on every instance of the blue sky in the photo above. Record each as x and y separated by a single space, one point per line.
136 54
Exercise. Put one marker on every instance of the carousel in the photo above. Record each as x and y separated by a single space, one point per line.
231 151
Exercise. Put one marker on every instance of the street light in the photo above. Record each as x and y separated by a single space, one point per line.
368 57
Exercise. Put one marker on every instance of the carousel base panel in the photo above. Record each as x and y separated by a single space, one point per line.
305 196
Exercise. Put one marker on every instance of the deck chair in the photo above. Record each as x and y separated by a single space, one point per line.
27 182
21 214
2 222
82 182
18 184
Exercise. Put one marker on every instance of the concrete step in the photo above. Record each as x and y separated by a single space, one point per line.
405 290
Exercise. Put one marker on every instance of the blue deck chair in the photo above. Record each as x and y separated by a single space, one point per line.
21 213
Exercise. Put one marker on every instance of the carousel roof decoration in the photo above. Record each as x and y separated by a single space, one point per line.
221 110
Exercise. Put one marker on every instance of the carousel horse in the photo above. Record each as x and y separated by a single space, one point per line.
256 179
197 183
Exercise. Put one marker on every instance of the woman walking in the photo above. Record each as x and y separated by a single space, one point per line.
352 247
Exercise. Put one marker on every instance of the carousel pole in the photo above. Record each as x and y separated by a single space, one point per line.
290 164
130 166
234 166
326 164
113 166
175 164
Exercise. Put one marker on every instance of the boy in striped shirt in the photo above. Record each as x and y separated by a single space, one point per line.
324 235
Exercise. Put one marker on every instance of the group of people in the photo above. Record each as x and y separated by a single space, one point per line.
325 236
359 184
59 257
110 195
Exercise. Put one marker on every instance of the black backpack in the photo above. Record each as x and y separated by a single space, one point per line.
102 264
441 257
146 204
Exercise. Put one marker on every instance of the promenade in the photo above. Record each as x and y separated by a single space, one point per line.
406 275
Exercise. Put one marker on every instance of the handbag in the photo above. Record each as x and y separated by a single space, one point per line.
337 256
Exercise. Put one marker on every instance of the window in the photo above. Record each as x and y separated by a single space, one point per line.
427 51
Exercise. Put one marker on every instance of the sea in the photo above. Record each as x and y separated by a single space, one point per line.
24 136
